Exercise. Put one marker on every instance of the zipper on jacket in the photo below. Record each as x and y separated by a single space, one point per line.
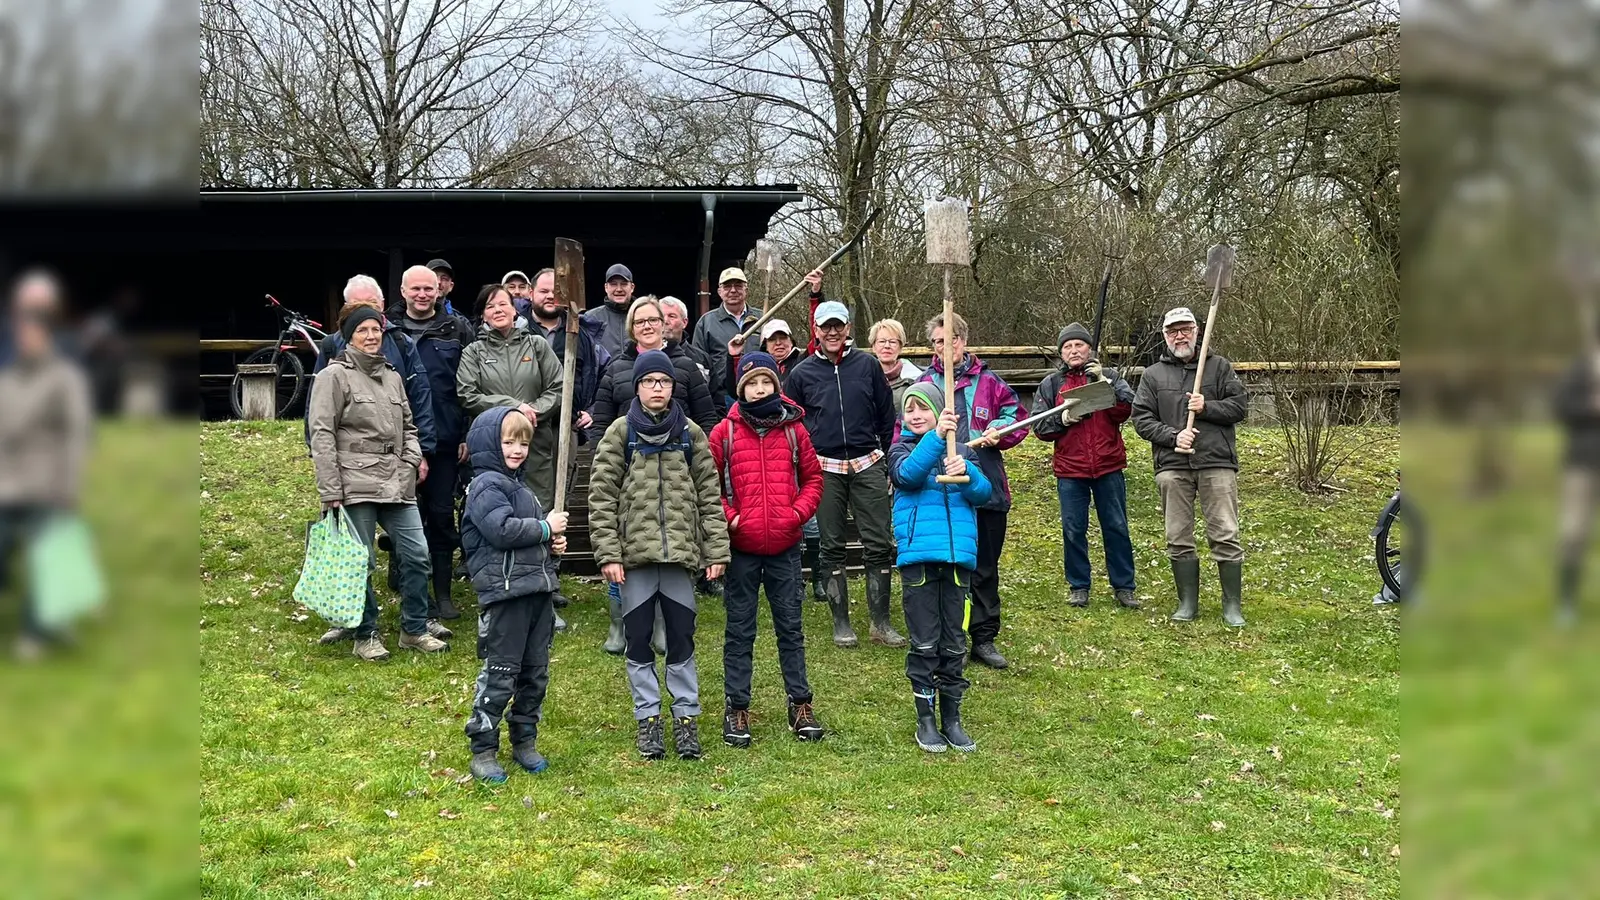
661 502
844 433
508 570
950 526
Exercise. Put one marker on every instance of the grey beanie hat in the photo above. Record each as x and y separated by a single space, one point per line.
1074 332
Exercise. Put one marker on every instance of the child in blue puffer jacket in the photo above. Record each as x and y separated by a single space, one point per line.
509 542
936 530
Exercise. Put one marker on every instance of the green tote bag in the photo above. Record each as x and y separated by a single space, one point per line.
333 581
66 574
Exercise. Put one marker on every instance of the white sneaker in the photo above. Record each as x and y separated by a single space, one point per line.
424 642
370 649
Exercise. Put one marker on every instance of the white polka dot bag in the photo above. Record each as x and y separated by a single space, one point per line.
333 581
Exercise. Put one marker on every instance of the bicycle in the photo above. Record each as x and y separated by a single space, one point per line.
284 353
1397 547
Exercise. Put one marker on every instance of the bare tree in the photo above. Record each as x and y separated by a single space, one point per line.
384 93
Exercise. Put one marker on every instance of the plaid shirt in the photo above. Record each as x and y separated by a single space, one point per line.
850 466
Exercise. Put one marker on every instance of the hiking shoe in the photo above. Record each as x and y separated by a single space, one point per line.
803 722
438 630
1127 599
529 758
424 642
370 649
989 656
560 600
486 768
686 736
736 727
650 742
447 609
1079 598
335 635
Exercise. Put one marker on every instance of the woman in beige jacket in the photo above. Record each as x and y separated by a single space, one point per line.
368 460
45 420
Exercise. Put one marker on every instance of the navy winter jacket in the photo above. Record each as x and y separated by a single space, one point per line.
440 340
849 406
503 532
401 352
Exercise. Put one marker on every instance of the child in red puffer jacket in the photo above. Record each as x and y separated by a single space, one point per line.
771 484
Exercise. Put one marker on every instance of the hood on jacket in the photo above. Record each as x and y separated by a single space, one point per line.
483 444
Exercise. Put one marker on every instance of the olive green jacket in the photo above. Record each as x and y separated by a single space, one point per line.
510 370
660 509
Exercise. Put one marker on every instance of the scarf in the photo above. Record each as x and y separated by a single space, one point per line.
767 413
656 433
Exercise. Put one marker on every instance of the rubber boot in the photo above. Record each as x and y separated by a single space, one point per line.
615 642
658 636
1231 574
839 602
810 560
1186 576
878 607
443 607
928 736
950 724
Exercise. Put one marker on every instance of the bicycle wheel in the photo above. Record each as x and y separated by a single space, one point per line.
291 380
1389 548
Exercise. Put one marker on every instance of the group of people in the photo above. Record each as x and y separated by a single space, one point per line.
718 459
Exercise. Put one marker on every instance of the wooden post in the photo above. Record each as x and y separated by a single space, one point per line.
569 290
259 391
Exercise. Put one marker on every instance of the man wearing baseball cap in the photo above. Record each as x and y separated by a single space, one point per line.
447 283
1199 461
718 326
612 313
520 287
850 414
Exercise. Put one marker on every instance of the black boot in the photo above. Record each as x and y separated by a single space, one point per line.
878 607
810 560
528 756
1186 577
928 737
986 653
444 607
839 603
1231 574
950 724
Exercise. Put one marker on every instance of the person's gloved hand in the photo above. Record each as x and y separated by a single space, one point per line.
1069 417
1092 369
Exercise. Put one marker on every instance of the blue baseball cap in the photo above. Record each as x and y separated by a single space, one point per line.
831 311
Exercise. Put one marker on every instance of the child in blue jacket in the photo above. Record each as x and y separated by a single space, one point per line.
510 546
936 530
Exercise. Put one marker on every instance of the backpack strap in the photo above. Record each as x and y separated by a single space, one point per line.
725 473
794 453
686 445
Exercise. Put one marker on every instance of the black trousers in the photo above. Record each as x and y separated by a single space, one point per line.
514 643
986 579
436 501
747 573
935 599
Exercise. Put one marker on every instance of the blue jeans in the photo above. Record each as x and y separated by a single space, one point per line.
403 523
1110 496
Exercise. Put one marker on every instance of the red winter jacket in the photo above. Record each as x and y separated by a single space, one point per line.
759 483
1093 447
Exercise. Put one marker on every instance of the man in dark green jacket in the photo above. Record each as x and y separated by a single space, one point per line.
1160 415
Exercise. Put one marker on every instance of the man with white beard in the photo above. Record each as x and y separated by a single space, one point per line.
1161 415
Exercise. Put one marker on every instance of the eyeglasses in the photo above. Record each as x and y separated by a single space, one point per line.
1181 329
886 342
656 381
834 328
653 320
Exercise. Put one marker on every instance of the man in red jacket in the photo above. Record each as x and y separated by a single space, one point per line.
1088 463
771 484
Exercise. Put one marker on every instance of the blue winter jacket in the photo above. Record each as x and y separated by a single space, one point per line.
401 352
933 522
503 532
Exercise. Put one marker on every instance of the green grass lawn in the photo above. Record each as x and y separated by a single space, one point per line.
98 753
1119 756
